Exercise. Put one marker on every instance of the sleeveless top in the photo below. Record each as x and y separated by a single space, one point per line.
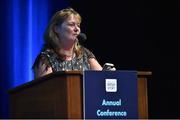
50 58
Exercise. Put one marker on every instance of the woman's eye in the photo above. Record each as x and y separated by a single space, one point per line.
78 25
70 24
74 24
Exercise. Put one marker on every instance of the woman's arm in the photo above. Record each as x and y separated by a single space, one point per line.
94 65
42 70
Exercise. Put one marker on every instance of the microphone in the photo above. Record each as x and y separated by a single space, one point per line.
82 37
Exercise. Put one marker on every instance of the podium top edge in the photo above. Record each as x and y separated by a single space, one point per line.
138 72
144 73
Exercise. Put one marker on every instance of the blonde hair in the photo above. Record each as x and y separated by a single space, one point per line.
50 36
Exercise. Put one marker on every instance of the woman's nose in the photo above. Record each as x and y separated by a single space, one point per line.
76 29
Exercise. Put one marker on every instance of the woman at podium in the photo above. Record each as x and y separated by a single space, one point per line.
62 50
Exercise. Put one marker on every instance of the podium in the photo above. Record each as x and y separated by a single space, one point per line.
60 95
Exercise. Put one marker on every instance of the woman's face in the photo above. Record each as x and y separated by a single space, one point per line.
69 29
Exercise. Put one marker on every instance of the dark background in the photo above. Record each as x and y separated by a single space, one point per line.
133 35
138 35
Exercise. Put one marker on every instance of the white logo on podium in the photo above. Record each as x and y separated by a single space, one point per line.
111 85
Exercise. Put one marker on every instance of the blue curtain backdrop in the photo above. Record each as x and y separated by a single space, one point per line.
22 28
29 18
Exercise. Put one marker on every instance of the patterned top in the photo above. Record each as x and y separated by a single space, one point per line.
51 59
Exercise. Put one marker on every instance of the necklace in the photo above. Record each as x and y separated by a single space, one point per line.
67 56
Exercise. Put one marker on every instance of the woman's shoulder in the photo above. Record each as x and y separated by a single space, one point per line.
47 52
44 57
88 52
